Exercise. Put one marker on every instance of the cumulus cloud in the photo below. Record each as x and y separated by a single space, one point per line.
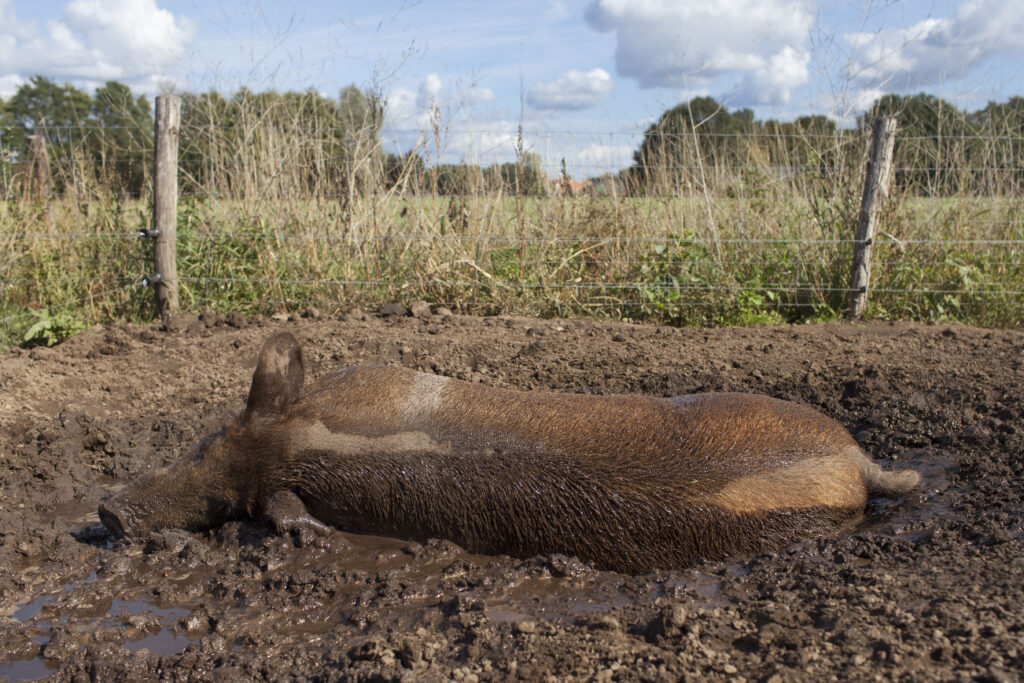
400 105
754 49
484 143
466 135
478 95
937 48
411 108
9 84
572 90
485 135
410 116
599 158
429 92
133 41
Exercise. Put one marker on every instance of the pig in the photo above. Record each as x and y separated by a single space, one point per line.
629 483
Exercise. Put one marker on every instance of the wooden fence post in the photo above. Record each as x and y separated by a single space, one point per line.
876 189
165 203
40 182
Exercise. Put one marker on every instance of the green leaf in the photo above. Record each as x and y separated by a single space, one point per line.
35 331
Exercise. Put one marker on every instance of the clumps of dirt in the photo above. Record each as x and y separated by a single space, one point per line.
926 587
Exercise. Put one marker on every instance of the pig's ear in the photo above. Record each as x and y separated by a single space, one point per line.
278 378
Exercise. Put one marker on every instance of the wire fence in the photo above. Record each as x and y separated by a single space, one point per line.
729 229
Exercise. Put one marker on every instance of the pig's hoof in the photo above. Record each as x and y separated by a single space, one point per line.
288 514
306 530
113 518
305 533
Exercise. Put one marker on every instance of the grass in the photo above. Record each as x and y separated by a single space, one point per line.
669 260
760 233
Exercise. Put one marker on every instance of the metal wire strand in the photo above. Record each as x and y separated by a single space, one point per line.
637 286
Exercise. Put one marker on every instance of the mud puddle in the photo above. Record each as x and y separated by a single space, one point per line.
26 670
912 515
924 588
78 611
344 584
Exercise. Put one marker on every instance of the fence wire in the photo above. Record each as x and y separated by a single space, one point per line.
732 239
283 236
610 286
58 130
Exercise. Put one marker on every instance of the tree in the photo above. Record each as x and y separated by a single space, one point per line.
56 112
6 151
274 144
458 179
121 137
407 170
5 120
809 144
931 147
697 133
360 118
43 107
999 146
1006 118
815 125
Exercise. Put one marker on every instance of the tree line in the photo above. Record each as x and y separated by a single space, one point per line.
940 149
104 139
298 144
247 145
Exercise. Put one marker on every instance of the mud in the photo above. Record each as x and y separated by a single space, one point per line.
926 588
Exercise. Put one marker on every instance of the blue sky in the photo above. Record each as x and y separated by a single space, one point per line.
583 78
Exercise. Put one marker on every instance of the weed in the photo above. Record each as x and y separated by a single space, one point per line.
762 238
50 329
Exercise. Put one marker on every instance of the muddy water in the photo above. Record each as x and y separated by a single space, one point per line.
923 588
409 582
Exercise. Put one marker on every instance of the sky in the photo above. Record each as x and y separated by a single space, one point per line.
582 79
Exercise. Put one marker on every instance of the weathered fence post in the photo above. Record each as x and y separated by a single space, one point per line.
40 182
876 189
165 203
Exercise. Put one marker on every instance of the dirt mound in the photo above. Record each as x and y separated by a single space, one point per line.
928 587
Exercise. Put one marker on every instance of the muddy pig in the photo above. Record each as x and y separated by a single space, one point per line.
628 482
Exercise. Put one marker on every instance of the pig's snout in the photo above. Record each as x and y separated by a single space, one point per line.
117 518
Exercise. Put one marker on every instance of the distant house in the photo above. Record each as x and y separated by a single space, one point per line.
567 187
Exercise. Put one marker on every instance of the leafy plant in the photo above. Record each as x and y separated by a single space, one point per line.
51 329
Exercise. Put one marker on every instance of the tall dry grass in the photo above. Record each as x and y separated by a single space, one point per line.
286 205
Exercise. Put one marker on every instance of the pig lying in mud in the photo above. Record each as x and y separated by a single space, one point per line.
628 482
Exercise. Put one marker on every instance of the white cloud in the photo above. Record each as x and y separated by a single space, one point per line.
429 92
9 84
486 136
572 90
132 41
12 26
756 50
844 106
488 143
478 95
599 158
556 10
773 82
408 109
410 118
129 31
400 105
935 49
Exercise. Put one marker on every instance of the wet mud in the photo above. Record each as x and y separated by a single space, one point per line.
927 587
